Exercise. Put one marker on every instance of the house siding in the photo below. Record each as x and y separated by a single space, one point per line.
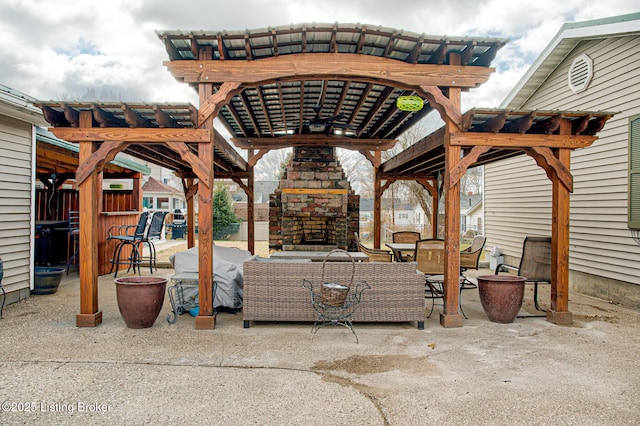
15 205
518 193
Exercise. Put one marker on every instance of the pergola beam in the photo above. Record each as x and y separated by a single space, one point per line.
314 140
320 65
137 135
516 140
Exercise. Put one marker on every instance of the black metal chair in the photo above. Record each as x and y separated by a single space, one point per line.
535 265
153 232
73 237
126 237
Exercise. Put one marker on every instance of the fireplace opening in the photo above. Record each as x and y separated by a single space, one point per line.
315 231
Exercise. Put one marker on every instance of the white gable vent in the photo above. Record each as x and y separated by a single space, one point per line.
580 73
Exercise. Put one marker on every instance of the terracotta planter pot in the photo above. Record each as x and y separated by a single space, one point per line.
140 299
501 296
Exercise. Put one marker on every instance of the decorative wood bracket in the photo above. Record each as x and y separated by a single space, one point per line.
383 188
200 169
253 160
551 165
460 169
189 191
216 101
442 104
98 159
372 159
244 186
429 186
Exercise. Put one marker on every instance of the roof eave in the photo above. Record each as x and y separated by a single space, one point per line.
568 37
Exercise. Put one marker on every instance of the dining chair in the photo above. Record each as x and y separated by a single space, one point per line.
470 258
408 237
375 255
429 256
73 237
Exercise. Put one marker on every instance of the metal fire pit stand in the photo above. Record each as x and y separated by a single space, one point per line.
328 314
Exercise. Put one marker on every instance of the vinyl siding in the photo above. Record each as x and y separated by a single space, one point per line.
15 202
518 193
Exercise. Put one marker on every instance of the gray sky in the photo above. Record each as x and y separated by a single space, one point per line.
108 49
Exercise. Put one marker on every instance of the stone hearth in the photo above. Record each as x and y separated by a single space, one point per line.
314 207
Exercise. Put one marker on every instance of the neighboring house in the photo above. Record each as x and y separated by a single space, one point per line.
18 120
471 214
160 196
588 66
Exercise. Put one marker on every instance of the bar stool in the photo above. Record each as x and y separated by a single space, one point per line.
123 235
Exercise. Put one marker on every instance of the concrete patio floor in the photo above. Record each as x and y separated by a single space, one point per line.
530 372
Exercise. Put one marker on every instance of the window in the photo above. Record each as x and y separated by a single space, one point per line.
162 203
634 172
147 202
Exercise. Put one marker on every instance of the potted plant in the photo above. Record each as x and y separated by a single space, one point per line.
140 299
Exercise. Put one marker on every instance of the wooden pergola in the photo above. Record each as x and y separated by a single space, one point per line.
322 85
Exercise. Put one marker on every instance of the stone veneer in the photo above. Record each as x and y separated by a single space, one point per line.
314 207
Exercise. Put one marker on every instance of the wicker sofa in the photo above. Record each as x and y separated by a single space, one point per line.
273 290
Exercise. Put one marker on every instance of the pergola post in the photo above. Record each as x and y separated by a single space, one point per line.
191 215
559 310
206 318
377 204
450 317
90 315
136 192
251 234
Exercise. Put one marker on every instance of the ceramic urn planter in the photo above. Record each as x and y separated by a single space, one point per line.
501 296
140 299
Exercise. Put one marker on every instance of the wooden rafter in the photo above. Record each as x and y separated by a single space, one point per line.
424 145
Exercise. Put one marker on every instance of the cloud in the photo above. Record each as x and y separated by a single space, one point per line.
74 47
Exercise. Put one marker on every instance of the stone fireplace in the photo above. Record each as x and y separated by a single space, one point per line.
313 207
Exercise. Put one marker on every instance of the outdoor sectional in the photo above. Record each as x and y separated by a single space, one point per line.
273 290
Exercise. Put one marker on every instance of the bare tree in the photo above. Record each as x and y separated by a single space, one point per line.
358 170
272 165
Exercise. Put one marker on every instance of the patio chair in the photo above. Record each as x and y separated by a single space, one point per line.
405 237
73 237
429 255
153 232
470 257
127 235
375 255
535 265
